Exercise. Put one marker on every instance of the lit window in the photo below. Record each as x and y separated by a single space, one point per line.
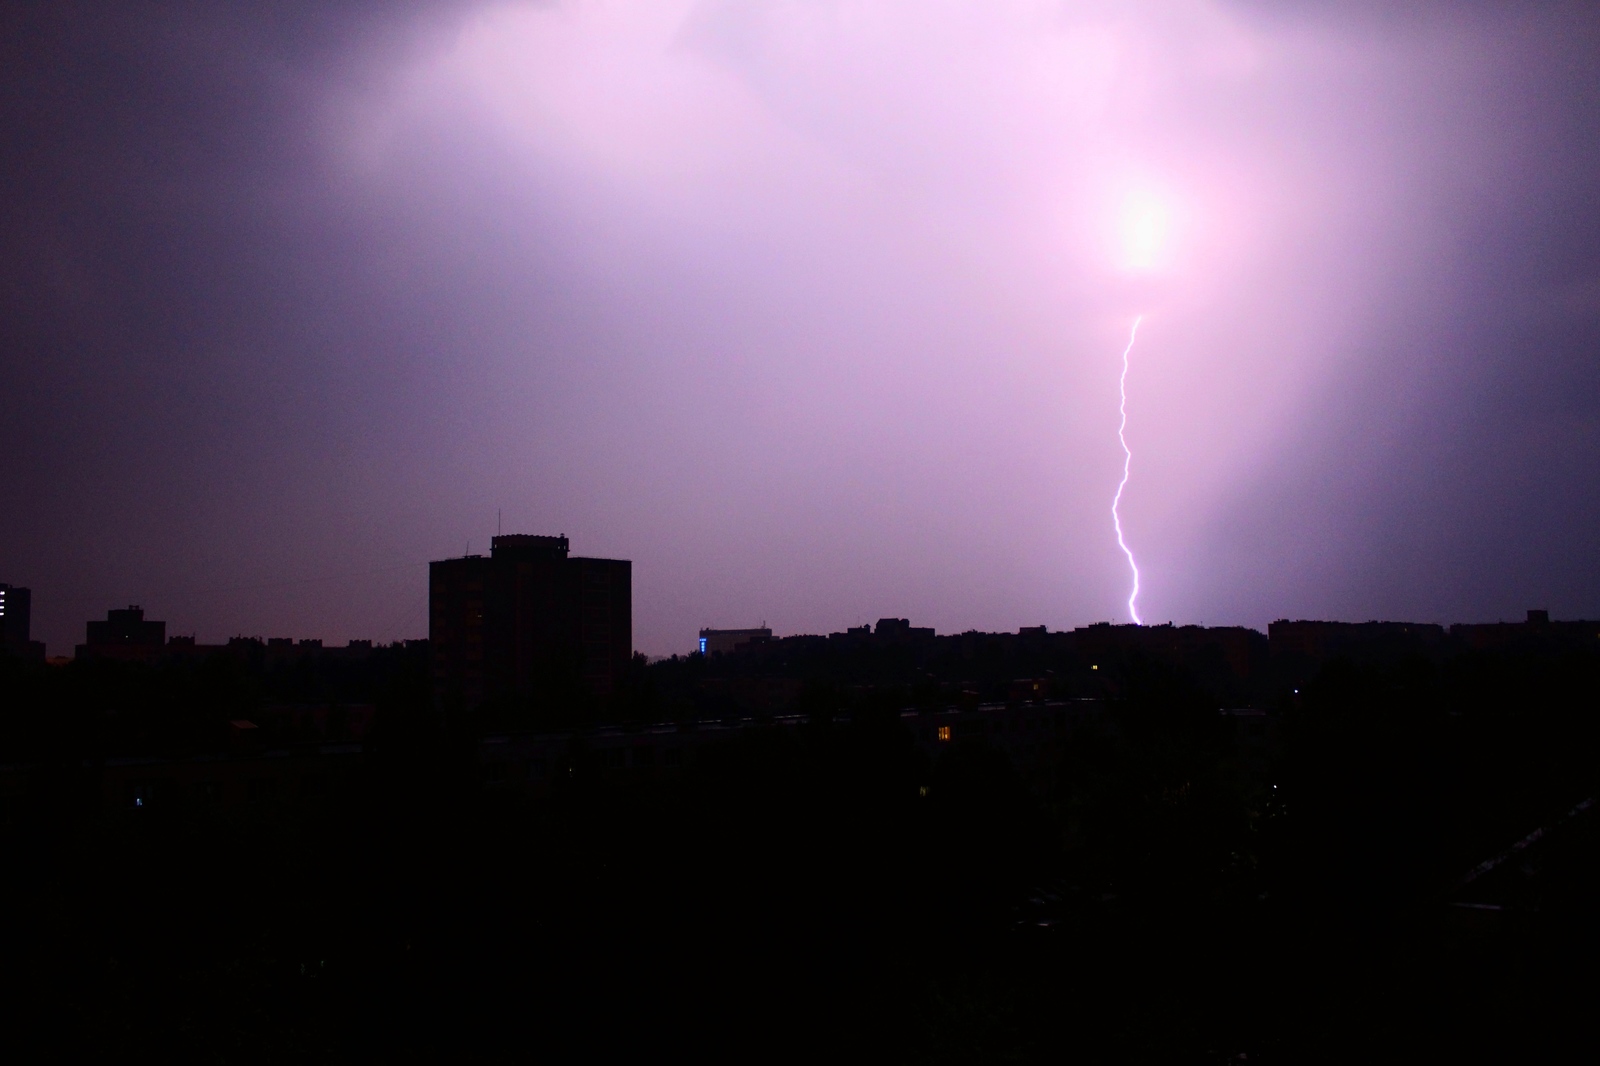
944 732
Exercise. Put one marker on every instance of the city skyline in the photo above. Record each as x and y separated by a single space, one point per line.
118 619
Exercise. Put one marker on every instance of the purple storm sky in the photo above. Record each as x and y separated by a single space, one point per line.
814 310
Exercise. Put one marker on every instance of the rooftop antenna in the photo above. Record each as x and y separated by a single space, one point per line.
497 521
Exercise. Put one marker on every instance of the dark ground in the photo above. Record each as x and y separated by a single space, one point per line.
797 897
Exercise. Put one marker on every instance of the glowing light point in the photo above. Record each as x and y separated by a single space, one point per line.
1145 234
1127 466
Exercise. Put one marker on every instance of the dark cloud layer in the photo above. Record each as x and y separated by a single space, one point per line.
1453 475
282 317
188 336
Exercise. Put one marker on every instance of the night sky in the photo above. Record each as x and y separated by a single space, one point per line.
813 310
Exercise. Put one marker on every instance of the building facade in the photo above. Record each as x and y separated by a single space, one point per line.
528 623
728 641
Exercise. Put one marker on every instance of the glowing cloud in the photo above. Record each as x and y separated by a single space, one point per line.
853 256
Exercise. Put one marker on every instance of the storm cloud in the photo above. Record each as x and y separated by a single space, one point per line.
813 310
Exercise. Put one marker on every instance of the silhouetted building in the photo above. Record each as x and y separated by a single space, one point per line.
16 605
728 641
529 622
900 630
124 635
1537 631
1234 649
888 631
16 612
1315 642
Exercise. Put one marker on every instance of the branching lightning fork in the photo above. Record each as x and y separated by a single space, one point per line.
1127 465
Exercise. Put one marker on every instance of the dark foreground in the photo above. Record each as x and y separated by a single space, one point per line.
826 891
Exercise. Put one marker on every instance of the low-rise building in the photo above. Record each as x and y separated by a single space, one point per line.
728 641
125 634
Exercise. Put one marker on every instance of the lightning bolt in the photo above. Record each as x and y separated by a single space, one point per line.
1127 464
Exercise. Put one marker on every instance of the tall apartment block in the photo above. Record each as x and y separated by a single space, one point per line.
527 621
16 611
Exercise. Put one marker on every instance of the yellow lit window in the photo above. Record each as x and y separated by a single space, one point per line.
944 732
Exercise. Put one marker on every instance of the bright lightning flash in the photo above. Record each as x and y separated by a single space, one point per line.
1127 464
1146 227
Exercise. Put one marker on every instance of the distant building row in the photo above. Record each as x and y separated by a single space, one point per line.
888 631
532 621
126 634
